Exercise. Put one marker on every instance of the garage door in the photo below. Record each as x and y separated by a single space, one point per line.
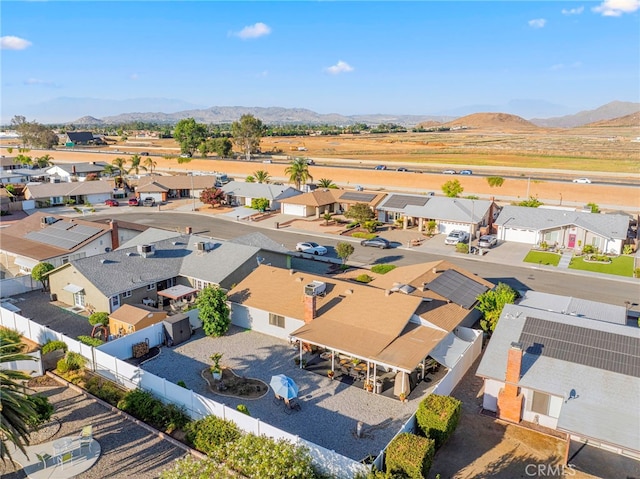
446 228
295 210
520 236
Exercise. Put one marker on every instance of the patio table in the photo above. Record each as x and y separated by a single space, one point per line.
62 445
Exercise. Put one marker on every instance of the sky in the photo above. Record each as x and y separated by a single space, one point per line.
417 57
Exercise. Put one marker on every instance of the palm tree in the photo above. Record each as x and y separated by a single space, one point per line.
16 411
110 170
44 161
261 176
298 172
120 164
24 160
150 164
326 183
136 165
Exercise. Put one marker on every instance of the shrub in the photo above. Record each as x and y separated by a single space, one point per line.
182 384
362 235
382 268
190 467
51 346
462 248
627 249
211 433
147 408
371 226
352 225
62 367
261 456
11 340
364 278
89 341
74 360
636 272
437 417
105 390
410 456
243 409
99 317
43 409
588 249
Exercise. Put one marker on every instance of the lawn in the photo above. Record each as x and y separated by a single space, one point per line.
621 266
542 258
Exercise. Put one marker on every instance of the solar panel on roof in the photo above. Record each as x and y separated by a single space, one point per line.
62 234
355 196
400 201
598 349
457 287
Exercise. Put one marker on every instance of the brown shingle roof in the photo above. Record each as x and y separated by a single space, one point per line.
130 314
179 182
47 190
315 198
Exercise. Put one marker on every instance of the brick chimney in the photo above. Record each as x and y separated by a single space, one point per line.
115 237
509 398
309 308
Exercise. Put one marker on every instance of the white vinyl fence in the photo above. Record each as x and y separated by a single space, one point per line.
18 285
105 361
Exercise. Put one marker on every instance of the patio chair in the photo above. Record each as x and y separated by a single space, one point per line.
65 458
293 405
85 437
44 457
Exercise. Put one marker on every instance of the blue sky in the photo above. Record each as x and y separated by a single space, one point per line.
330 57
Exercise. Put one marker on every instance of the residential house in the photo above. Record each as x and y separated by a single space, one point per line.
314 203
76 171
9 163
449 214
576 371
139 273
5 198
12 172
564 228
73 138
163 188
76 193
349 198
54 239
240 193
128 318
125 230
393 324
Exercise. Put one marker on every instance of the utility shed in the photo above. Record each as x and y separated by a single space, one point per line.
177 329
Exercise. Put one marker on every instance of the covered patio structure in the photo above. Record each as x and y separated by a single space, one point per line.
178 296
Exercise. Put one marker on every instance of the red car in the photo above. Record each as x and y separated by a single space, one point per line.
133 202
111 203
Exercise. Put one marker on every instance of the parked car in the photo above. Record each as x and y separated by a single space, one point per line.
112 202
449 172
148 201
311 248
582 180
133 202
376 242
144 153
456 236
380 167
487 241
402 169
185 155
466 172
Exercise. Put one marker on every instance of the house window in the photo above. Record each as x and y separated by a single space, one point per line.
65 259
171 282
276 320
151 287
126 294
540 403
56 200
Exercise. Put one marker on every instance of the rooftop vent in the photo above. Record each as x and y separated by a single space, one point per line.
146 250
315 288
201 246
130 253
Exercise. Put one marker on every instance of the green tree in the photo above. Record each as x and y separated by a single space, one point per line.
532 202
16 411
212 196
250 179
452 188
23 160
221 147
260 204
189 134
150 164
495 181
326 183
360 212
120 163
39 273
491 304
109 170
44 161
136 164
99 317
326 217
298 171
214 311
261 176
344 250
34 134
593 207
247 133
431 227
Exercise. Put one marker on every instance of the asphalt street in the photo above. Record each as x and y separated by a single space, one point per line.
612 291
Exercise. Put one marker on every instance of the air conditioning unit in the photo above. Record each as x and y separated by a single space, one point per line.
315 288
202 246
146 248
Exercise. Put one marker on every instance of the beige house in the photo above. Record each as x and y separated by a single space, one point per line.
129 318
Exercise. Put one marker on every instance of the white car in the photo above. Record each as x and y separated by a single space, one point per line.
310 247
582 180
456 237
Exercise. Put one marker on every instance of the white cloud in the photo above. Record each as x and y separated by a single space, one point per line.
13 43
133 76
37 81
254 31
537 23
615 8
340 67
573 11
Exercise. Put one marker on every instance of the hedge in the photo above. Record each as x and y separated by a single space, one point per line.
382 268
210 433
147 408
51 346
410 456
437 417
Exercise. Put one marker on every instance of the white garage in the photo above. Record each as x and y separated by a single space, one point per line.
445 227
297 210
517 235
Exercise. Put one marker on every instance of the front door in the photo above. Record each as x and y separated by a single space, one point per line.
115 302
78 299
572 241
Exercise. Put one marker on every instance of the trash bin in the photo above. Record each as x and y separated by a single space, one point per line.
378 386
277 225
53 297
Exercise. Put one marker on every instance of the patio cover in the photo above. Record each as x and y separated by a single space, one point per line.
450 350
25 262
73 288
177 292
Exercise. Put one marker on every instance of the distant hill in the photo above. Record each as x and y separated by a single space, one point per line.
632 120
87 121
429 124
270 115
615 109
503 121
